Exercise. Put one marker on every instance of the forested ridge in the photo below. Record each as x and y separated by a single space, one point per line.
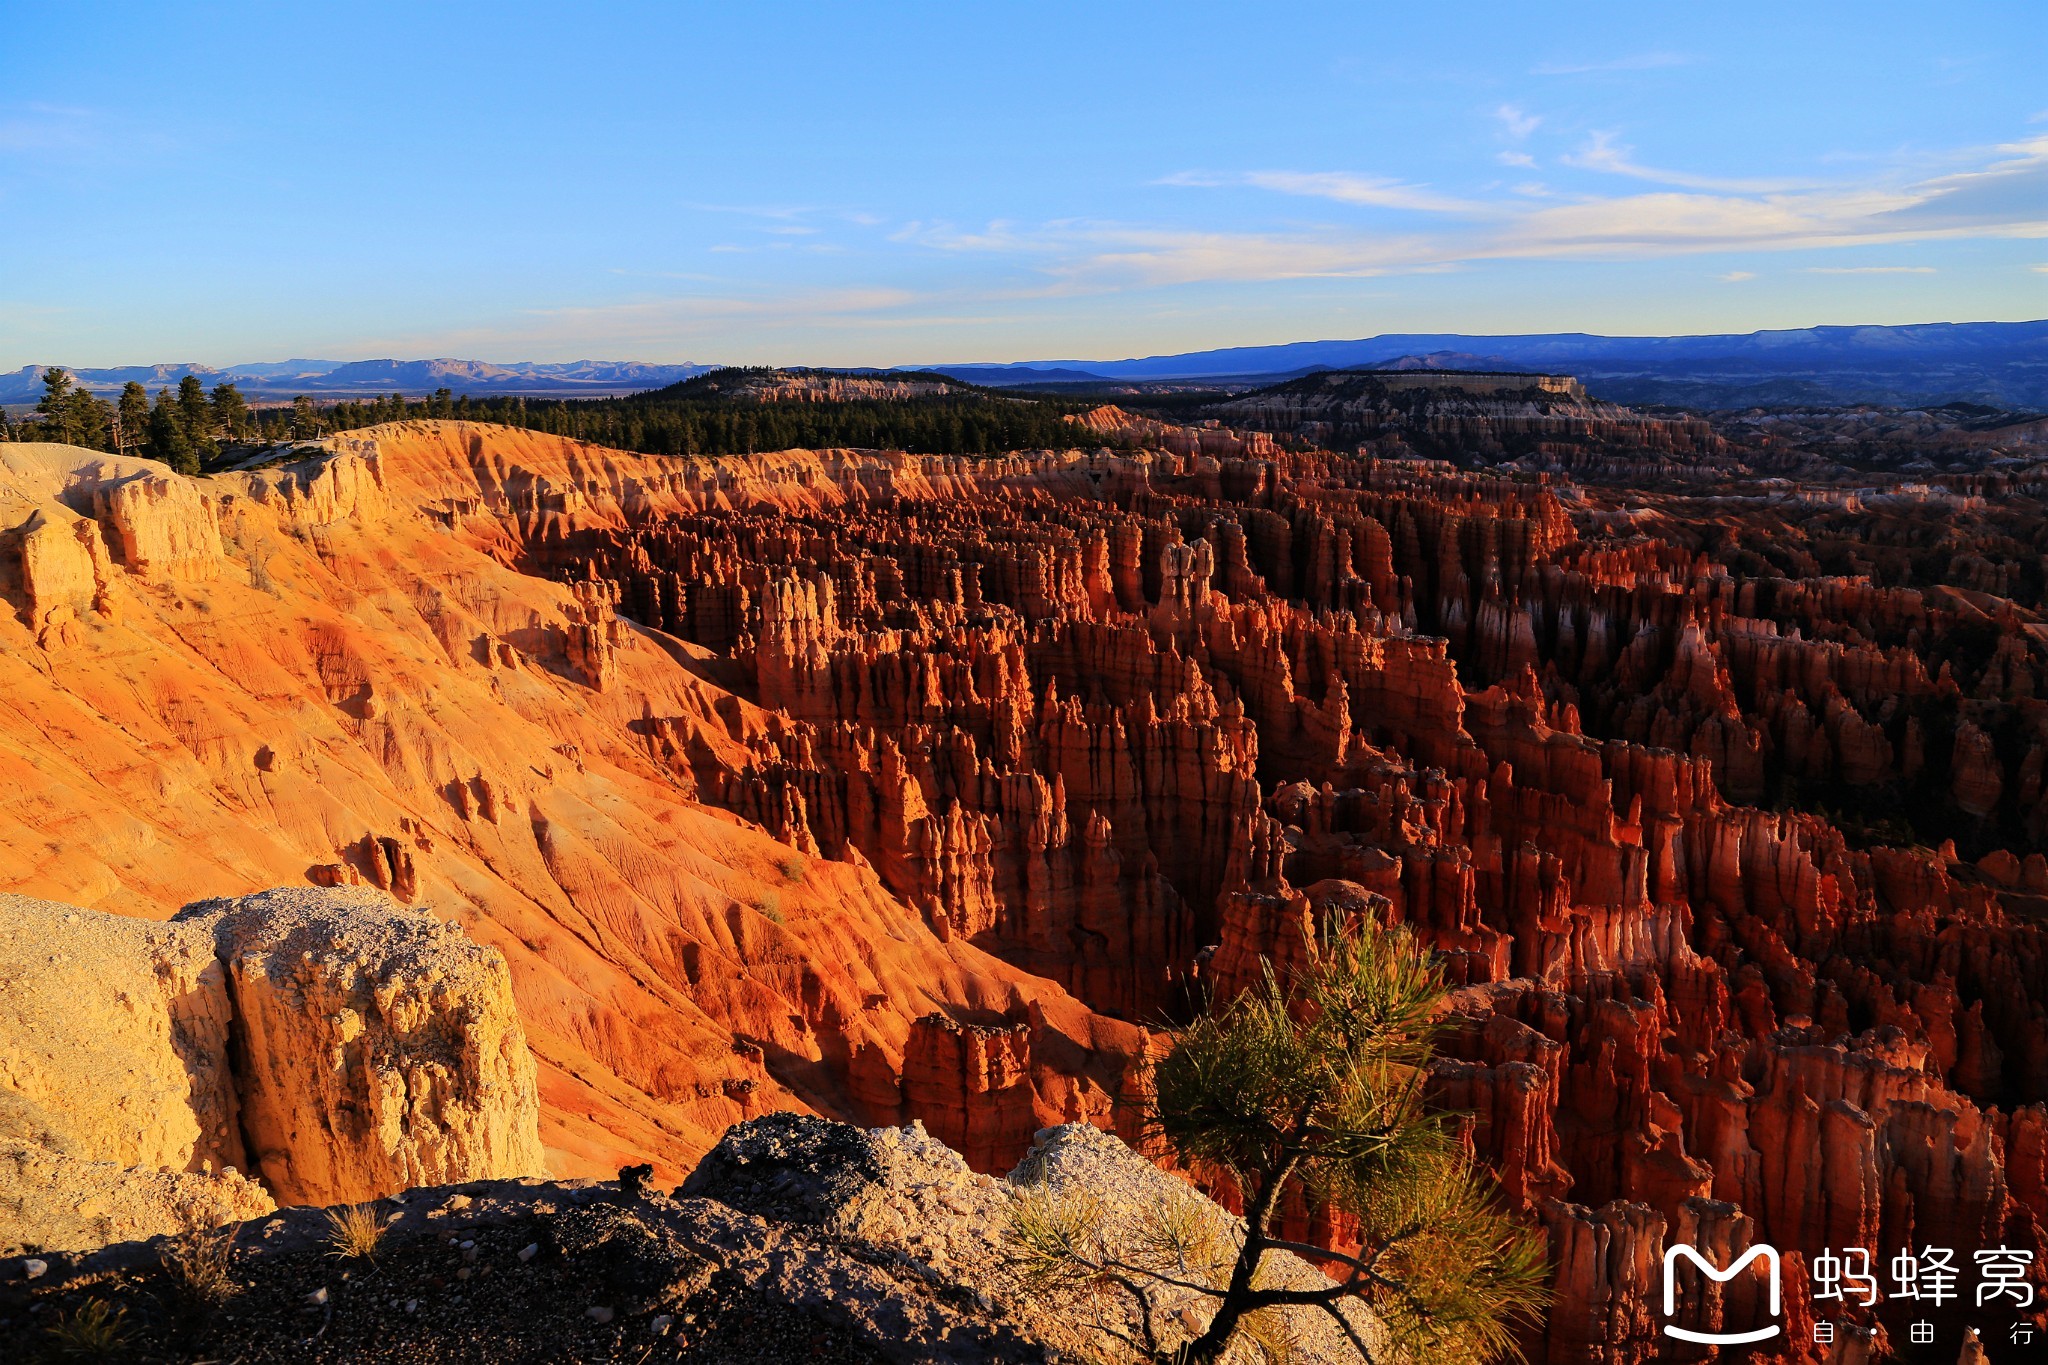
190 428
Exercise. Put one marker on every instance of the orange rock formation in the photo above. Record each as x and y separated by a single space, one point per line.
909 787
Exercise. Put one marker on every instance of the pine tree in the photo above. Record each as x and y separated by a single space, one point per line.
305 418
54 408
231 417
195 418
168 439
133 415
91 420
1313 1085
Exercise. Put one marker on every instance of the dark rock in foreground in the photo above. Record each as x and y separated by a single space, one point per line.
610 1278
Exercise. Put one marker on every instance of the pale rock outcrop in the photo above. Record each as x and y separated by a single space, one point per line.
904 1190
361 1047
326 491
113 1039
165 526
376 1047
57 1202
64 567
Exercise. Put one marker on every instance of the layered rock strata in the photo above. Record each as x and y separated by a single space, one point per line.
881 785
1140 740
374 689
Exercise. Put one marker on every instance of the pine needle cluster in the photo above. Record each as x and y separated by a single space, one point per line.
1314 1085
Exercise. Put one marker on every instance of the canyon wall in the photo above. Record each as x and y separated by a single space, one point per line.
344 673
1137 741
904 787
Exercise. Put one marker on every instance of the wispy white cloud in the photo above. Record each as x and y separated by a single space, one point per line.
998 236
66 135
1345 187
51 128
1517 123
1169 258
2005 195
1999 191
2015 186
778 212
1600 153
1522 159
1640 61
793 220
769 326
1665 222
704 316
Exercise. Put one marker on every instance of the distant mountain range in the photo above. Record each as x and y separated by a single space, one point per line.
283 379
2002 363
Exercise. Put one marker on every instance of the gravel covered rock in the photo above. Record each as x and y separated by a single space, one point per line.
676 1280
902 1189
796 1239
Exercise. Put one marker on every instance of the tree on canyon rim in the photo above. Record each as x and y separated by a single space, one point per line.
1312 1084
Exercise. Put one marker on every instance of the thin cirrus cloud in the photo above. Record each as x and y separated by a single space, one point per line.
50 129
706 321
1602 154
1149 259
1345 187
1736 276
1870 270
58 136
2003 194
705 317
1639 61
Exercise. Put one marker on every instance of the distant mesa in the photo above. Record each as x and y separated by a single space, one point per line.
2003 364
1003 376
363 378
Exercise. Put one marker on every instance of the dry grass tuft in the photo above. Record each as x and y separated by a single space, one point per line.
1266 1337
1052 1237
353 1232
95 1330
1181 1233
200 1264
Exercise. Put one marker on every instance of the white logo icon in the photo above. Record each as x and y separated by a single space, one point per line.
1760 1251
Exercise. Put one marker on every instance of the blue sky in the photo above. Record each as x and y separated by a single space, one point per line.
835 183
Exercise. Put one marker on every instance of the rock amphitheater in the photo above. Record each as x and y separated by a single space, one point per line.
454 803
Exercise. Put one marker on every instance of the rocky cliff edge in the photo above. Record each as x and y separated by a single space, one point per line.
796 1239
300 1046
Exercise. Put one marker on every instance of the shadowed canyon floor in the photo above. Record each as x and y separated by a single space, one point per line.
903 787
